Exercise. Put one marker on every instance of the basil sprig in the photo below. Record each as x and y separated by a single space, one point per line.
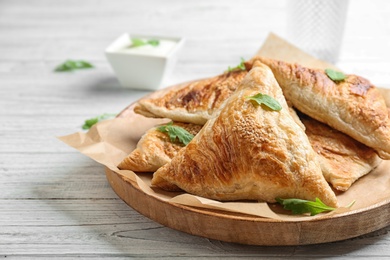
268 101
90 122
240 66
176 133
70 65
335 75
136 42
298 206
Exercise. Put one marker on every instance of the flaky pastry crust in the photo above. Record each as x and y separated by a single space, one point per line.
194 102
249 152
353 106
155 149
343 160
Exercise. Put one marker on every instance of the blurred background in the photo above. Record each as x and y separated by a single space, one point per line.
38 35
43 33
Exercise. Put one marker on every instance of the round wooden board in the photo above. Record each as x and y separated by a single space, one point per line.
251 230
246 229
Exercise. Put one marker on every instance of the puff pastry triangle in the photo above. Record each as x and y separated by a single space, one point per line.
343 160
248 152
353 106
193 102
154 149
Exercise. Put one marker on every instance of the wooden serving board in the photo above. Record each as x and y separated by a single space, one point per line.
244 229
252 230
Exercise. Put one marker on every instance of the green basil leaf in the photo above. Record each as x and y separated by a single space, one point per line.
240 66
335 75
80 64
176 133
298 206
264 99
136 42
154 42
71 65
90 122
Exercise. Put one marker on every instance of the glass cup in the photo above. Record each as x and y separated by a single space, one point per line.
317 26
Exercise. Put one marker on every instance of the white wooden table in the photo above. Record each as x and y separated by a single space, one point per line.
55 201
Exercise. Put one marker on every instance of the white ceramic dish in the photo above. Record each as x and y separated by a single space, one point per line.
144 67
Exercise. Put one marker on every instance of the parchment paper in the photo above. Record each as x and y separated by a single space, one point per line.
108 142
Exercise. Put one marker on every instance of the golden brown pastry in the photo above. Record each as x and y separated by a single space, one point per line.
353 106
343 160
194 102
155 149
249 152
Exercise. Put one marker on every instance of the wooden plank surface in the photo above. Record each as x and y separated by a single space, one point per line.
56 202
